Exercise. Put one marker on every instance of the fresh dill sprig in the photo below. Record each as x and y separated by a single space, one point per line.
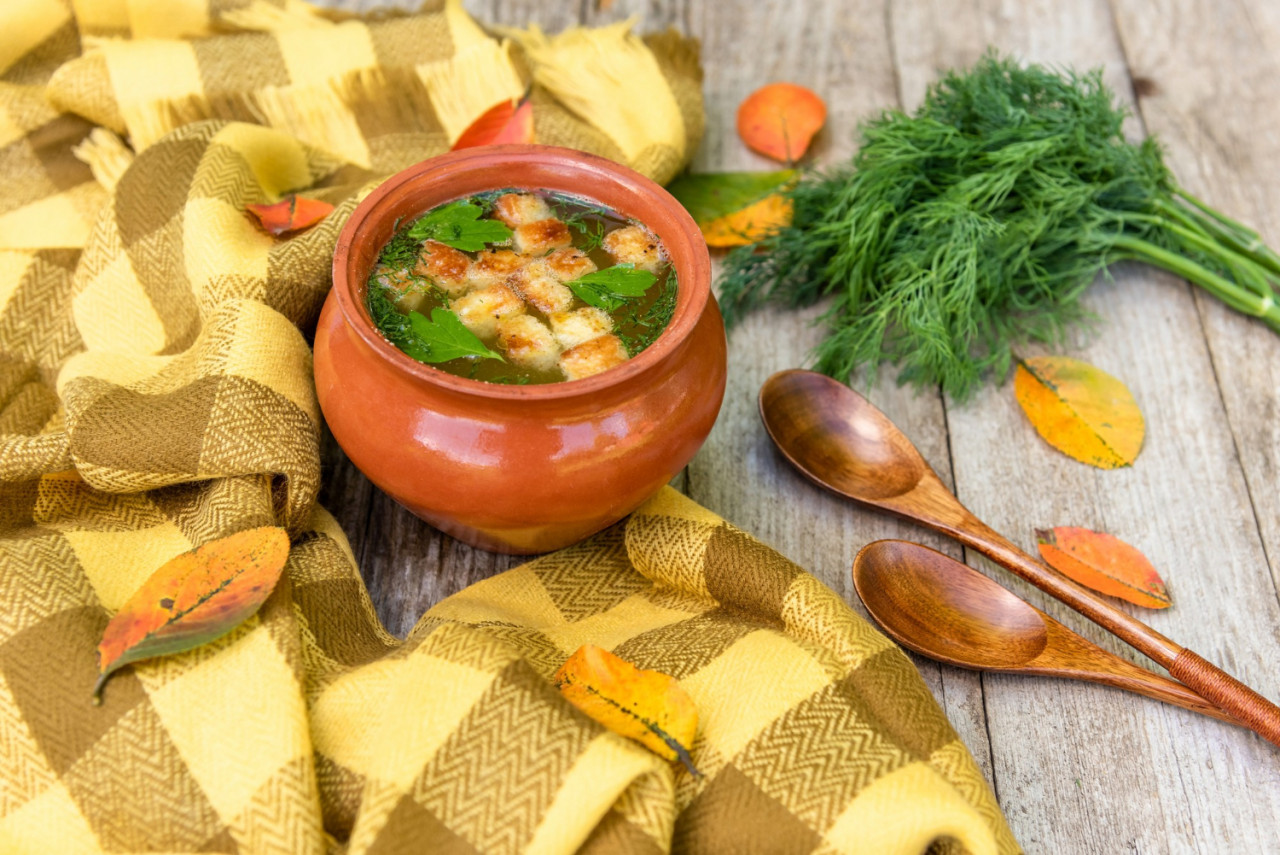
978 221
401 252
588 221
395 326
655 319
487 199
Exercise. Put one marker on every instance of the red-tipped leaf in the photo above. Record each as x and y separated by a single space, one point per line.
290 214
505 122
194 598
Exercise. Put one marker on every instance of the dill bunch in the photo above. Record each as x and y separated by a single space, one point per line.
977 222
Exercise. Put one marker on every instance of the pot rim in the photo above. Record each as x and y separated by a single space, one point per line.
692 293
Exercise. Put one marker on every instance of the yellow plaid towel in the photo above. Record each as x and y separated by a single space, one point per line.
155 393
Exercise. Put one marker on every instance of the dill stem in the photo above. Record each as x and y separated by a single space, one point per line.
1248 270
1240 238
1259 306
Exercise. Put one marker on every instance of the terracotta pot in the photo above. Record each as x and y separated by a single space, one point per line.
519 468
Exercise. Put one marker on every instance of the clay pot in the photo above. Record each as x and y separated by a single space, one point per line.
519 469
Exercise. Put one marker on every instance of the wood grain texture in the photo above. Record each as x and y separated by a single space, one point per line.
1184 504
1078 768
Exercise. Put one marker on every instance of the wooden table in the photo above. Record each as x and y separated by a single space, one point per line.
1078 768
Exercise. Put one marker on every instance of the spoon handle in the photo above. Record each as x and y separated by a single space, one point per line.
1194 671
1228 694
1068 654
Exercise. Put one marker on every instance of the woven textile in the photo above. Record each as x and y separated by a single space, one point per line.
156 393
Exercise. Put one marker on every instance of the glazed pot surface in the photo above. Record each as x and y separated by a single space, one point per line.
519 468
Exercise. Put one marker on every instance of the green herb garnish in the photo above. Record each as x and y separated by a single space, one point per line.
447 338
458 225
610 288
401 252
489 198
394 325
978 221
587 222
439 339
654 320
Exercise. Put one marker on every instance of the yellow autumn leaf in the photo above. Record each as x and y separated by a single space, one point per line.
194 598
1080 410
749 224
647 706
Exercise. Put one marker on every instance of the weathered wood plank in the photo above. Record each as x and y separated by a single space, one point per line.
1210 75
840 50
1082 769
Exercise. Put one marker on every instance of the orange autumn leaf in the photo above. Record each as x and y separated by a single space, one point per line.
1104 563
194 598
290 214
647 706
749 224
779 120
1080 410
508 121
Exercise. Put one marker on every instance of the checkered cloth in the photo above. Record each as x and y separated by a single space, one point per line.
156 393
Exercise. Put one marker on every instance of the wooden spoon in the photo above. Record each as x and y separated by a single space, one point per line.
838 440
948 611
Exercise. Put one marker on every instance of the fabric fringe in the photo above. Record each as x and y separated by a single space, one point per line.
467 84
106 155
602 75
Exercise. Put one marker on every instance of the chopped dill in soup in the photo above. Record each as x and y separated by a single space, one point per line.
522 287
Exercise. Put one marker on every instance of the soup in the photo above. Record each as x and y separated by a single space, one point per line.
522 287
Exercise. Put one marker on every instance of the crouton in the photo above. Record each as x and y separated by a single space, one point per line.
493 266
542 290
634 245
580 325
400 288
516 209
445 266
592 357
540 237
527 342
567 264
481 310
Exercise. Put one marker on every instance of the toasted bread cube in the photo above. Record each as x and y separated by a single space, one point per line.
592 357
634 245
481 310
540 237
580 325
411 300
567 264
540 289
516 209
493 266
398 287
445 266
526 341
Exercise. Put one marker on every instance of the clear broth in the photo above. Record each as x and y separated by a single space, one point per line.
637 322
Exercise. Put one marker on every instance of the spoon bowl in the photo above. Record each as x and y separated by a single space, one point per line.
932 604
840 441
846 445
944 610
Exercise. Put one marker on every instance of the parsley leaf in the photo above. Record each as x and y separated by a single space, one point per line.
458 225
447 338
609 288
